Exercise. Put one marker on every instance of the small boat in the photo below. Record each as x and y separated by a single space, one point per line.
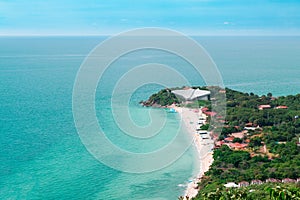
172 110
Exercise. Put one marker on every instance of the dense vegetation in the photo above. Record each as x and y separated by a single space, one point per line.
242 108
163 98
279 131
265 191
276 131
237 166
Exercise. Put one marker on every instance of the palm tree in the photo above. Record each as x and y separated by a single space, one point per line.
281 193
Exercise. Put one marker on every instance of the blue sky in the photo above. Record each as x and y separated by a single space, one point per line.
194 17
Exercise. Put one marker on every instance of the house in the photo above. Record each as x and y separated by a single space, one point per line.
230 185
262 107
256 182
237 146
204 109
219 143
250 126
210 113
272 180
244 184
281 107
229 139
222 91
207 112
190 94
240 135
288 180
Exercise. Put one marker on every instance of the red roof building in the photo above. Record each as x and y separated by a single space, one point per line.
237 146
222 91
272 180
249 124
219 143
243 184
262 107
256 182
229 139
210 113
204 109
288 180
281 107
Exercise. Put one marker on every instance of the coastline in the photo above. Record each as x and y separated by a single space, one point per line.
204 147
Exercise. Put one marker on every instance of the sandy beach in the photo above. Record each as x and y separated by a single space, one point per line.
204 147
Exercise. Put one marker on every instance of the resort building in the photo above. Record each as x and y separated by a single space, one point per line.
244 184
256 182
210 113
250 126
190 94
218 144
272 180
288 180
229 139
281 107
237 146
231 185
262 107
222 91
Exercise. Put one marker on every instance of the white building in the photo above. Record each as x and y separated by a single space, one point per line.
192 94
230 185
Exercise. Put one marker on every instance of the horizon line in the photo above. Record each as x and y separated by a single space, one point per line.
109 35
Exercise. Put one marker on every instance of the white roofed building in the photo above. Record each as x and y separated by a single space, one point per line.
231 185
192 94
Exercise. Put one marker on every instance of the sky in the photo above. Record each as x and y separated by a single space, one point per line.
106 17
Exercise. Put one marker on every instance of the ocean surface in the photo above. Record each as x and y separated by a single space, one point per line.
41 154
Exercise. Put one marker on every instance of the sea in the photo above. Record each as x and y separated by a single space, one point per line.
42 155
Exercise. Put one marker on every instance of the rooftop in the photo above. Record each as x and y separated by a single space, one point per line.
261 107
281 107
191 94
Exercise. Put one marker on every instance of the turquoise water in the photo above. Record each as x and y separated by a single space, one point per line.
41 155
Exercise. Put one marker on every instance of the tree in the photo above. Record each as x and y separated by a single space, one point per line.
239 140
255 142
269 95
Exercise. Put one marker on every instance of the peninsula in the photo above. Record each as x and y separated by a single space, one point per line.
256 153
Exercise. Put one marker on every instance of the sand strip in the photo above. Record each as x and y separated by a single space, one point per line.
204 147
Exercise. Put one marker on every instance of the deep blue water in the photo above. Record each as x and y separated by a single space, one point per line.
41 155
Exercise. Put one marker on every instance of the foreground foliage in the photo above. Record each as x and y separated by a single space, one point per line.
254 192
279 132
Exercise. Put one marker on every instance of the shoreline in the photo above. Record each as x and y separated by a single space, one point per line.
204 147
